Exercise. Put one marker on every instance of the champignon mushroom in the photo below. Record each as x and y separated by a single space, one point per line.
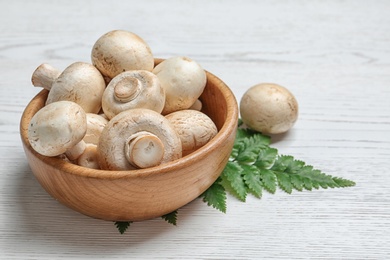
118 51
195 129
89 157
197 105
80 82
95 126
269 108
137 138
183 80
58 128
133 89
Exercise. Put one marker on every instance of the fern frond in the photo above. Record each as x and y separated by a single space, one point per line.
171 218
122 226
215 196
232 180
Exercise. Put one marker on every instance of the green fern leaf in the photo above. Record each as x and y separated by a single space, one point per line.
304 176
170 217
260 139
307 184
297 182
237 147
215 196
253 166
282 163
284 182
314 183
343 183
248 152
252 180
243 133
318 178
269 180
122 226
232 179
266 158
247 145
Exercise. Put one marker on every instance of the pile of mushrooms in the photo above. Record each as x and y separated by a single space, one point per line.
121 112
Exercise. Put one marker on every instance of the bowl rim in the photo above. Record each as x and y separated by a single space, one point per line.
73 169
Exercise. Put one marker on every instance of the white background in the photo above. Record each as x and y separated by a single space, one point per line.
333 55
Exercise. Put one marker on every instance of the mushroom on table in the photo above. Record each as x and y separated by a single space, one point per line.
269 108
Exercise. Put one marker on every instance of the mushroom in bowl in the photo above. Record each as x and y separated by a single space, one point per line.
140 194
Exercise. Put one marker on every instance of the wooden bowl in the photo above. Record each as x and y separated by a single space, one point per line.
139 194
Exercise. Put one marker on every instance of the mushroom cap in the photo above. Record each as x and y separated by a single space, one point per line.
183 80
269 108
57 127
133 89
124 126
194 128
197 105
95 126
81 83
118 51
89 157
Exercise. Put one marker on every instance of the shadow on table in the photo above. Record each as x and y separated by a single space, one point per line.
276 138
43 220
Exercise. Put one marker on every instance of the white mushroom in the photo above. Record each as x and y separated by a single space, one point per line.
58 128
269 108
197 105
195 129
118 51
138 138
89 158
183 80
95 126
133 89
80 82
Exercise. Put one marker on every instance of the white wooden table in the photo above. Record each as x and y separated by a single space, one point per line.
333 55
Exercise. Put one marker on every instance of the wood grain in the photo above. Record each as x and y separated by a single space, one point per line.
333 55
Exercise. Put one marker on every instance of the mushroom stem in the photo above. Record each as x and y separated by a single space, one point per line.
95 126
144 150
76 151
133 89
127 89
44 76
